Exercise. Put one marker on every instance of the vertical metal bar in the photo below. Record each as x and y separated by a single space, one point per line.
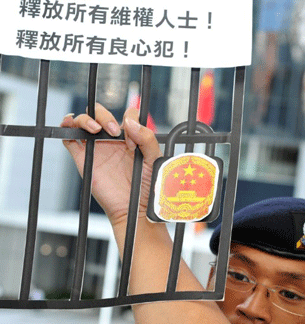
180 227
135 187
81 244
193 104
229 200
35 183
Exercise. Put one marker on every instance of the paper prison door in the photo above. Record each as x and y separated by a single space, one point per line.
191 133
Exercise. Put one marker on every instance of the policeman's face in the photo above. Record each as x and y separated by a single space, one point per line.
268 270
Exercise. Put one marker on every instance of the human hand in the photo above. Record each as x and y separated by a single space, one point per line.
113 160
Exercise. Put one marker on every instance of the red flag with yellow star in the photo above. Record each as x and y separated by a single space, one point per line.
135 102
206 101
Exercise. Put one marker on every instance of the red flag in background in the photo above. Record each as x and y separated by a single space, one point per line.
205 114
206 101
135 101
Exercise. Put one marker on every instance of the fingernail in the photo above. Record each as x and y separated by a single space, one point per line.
65 118
69 115
113 129
130 144
93 125
134 126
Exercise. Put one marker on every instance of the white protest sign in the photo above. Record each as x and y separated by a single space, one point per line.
206 33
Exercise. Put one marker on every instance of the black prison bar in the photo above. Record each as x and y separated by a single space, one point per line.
81 244
189 147
109 302
35 182
77 133
231 185
135 187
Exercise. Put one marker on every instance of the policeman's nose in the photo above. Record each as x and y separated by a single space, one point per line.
256 307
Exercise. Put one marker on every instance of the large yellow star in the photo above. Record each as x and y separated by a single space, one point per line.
189 170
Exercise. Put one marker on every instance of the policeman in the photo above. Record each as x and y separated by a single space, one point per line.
266 274
266 277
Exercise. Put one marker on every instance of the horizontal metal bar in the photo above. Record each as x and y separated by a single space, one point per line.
75 133
110 302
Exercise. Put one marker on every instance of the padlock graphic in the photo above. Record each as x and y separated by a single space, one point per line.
186 187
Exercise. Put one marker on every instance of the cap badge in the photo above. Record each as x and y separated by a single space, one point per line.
301 241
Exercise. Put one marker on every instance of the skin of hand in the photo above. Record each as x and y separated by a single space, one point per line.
113 161
112 172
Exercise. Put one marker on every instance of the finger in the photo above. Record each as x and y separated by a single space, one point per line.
73 146
144 138
77 151
86 122
67 120
133 114
107 120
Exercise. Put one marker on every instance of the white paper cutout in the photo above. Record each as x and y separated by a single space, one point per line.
214 33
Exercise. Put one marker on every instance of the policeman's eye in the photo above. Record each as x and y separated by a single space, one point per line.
238 276
290 295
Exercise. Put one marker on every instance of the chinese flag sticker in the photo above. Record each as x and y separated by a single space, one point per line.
186 187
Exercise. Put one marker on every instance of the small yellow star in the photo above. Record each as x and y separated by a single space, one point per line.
189 170
193 181
176 175
200 175
183 181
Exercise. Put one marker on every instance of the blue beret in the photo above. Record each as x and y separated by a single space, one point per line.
274 225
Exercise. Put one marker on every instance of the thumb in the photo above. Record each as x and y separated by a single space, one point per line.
144 138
